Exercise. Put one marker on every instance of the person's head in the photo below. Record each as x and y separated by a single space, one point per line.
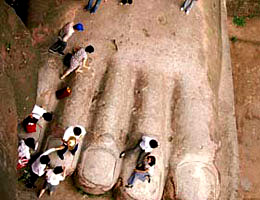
78 27
44 159
89 49
151 160
77 131
153 144
30 142
47 116
58 170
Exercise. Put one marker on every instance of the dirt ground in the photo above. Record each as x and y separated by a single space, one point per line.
246 72
157 77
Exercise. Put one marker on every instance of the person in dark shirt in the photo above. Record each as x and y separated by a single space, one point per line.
142 171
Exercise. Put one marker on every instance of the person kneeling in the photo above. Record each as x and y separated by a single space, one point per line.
53 178
142 171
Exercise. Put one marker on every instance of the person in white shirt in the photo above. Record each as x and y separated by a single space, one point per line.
65 33
145 145
71 139
24 148
53 178
39 165
32 119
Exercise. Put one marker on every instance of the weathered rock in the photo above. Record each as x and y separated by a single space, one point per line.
18 82
180 67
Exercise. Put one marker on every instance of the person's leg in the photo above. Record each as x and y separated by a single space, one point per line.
189 7
62 47
94 9
89 6
142 176
33 178
127 152
55 47
131 180
51 188
68 71
185 4
141 156
43 189
61 152
73 151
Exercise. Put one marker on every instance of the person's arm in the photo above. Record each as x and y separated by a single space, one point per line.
50 151
131 150
84 64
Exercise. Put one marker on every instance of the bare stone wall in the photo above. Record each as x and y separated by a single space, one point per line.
18 82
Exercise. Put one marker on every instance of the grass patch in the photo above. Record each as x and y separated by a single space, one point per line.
233 39
239 21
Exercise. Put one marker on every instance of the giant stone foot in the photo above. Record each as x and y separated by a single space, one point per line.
156 72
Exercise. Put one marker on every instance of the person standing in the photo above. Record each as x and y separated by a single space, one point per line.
91 8
53 178
65 33
39 165
187 5
78 60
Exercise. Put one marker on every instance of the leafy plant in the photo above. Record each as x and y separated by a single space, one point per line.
239 21
233 39
25 175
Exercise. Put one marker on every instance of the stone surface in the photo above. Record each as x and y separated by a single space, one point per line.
154 71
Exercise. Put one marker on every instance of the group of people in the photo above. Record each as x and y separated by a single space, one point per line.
186 7
73 135
145 161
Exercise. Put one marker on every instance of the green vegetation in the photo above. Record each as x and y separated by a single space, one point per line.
233 39
25 175
239 21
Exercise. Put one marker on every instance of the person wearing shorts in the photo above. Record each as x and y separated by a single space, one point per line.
53 178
